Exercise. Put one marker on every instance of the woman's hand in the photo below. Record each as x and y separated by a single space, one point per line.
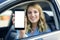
13 19
22 32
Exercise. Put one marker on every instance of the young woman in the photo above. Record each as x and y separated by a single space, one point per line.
35 23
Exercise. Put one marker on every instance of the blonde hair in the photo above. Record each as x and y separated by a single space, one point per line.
42 26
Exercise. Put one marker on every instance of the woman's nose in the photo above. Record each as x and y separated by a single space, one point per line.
32 14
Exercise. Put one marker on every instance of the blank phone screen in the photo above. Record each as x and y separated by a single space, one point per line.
19 19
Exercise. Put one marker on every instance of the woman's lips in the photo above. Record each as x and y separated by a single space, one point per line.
32 19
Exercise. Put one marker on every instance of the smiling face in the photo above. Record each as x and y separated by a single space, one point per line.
33 14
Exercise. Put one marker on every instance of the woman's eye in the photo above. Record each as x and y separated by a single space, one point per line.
29 12
35 11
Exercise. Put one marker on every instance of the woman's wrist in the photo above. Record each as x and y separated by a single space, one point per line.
22 33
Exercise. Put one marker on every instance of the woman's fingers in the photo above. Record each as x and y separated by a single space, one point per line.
25 22
13 19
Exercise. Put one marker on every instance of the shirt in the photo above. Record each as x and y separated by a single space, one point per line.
37 32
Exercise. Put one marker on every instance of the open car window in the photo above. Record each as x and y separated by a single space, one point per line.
48 11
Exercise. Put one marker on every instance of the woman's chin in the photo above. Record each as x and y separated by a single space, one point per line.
33 21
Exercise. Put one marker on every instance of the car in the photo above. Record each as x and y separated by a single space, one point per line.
50 10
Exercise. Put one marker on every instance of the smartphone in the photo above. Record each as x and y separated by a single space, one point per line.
5 18
19 20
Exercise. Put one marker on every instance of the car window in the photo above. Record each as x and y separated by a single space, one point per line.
48 11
